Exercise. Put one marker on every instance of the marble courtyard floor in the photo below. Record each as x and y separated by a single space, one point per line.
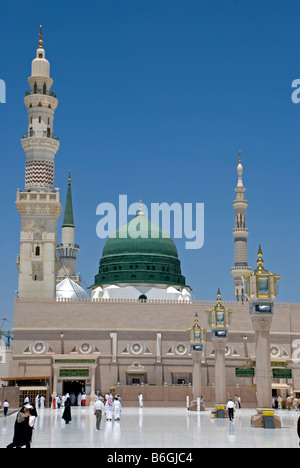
154 428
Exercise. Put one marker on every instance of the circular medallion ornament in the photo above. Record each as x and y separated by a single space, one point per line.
85 348
39 347
181 349
275 351
136 348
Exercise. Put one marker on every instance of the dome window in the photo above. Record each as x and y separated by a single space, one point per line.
142 298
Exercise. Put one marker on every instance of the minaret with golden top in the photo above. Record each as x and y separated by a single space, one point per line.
39 204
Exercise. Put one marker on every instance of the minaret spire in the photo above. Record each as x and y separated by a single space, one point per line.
240 234
67 250
68 216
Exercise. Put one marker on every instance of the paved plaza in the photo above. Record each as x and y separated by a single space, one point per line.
154 428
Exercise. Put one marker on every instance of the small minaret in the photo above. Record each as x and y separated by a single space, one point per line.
39 205
240 234
67 250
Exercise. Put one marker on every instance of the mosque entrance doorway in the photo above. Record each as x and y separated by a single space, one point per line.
73 386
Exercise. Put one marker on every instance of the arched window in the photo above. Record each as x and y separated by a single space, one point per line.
37 251
142 298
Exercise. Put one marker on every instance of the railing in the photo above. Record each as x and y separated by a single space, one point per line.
76 246
189 304
30 92
39 134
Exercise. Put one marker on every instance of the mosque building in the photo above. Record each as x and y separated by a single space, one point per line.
129 329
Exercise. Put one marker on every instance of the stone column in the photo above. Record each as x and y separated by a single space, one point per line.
262 327
55 376
114 337
196 374
219 345
158 347
93 380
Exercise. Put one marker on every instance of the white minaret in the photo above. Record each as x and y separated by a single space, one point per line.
240 234
39 205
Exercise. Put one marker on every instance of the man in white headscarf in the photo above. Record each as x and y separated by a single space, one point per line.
109 408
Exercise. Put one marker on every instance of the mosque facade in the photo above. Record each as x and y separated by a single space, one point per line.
129 329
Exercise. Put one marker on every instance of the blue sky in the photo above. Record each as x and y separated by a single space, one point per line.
156 98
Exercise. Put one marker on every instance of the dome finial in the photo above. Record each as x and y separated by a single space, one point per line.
69 179
240 171
140 213
41 42
260 261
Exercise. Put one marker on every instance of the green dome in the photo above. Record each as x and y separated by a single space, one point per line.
140 253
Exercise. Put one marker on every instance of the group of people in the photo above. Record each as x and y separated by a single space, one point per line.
289 402
76 400
110 406
66 402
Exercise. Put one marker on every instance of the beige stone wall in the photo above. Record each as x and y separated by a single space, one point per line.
92 322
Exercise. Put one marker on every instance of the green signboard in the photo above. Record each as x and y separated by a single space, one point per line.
74 373
246 372
75 361
282 373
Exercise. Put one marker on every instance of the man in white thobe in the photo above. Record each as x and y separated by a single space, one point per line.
117 409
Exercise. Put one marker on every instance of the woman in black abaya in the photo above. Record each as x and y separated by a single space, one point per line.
22 431
67 411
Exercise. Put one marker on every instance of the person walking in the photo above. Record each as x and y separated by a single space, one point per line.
42 400
141 400
67 411
22 431
279 399
5 408
230 407
98 410
109 407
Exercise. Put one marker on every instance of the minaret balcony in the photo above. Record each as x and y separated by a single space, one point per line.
30 92
240 204
39 134
240 232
